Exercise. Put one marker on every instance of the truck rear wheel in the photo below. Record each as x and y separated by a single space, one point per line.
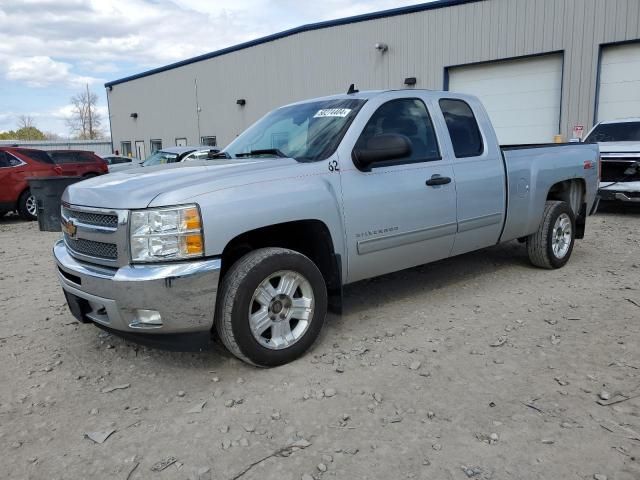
551 246
271 306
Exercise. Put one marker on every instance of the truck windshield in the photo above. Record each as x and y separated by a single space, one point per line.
307 132
615 132
160 158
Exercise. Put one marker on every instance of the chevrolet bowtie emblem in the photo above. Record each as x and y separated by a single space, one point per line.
69 228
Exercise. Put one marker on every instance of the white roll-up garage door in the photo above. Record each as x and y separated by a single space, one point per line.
522 96
619 88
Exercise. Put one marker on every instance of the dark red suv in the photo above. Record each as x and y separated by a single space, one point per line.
79 163
16 165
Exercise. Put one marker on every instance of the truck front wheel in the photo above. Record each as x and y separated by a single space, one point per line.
271 306
551 246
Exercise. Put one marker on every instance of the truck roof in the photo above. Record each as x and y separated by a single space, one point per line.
368 94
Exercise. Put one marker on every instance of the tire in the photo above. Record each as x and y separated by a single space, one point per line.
27 208
551 246
244 292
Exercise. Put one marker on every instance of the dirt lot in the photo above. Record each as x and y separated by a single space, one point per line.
480 367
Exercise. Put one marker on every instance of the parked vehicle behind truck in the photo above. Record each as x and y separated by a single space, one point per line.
17 165
253 246
619 142
169 156
79 163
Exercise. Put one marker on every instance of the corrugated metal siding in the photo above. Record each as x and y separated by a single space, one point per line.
101 147
326 61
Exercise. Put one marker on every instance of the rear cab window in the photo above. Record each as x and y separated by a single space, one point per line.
463 128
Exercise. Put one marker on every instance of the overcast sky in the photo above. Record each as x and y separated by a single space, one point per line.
49 49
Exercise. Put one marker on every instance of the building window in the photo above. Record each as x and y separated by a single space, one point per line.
155 146
126 148
208 141
181 142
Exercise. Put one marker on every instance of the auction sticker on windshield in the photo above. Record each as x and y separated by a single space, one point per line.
332 112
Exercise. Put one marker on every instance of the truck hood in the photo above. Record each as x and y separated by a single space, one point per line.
173 184
619 147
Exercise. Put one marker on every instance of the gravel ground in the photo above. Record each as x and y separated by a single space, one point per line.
479 366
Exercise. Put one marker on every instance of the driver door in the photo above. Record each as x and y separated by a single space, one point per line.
395 215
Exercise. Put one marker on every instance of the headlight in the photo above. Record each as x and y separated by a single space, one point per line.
166 234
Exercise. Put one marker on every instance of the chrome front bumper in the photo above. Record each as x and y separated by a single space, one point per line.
184 294
621 191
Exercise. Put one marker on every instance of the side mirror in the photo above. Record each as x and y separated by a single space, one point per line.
381 148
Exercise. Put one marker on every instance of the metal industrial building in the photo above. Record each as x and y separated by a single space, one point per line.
541 67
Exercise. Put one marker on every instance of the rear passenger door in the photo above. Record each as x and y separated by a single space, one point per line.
479 171
67 162
396 215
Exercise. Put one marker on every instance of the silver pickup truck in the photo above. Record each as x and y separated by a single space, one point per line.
253 247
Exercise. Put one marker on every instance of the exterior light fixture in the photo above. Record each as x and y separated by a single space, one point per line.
411 81
241 101
381 47
134 115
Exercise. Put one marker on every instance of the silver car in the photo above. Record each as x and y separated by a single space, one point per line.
169 155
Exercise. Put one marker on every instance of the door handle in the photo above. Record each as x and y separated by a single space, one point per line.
438 180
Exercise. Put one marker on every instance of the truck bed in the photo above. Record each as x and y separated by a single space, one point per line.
532 171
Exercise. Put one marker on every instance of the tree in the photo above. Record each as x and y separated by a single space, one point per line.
52 136
25 121
85 121
29 133
26 130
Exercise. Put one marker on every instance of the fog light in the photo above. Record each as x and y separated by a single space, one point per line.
147 318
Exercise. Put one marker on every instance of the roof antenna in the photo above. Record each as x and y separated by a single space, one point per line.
352 89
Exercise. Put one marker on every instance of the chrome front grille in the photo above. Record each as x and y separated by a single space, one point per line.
92 248
94 219
96 235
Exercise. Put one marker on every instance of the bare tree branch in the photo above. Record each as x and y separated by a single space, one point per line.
85 121
25 121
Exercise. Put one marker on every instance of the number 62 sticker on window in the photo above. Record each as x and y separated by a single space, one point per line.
332 112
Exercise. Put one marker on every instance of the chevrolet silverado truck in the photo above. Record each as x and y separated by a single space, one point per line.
619 142
252 247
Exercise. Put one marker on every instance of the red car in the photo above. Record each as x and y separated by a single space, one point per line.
79 163
16 165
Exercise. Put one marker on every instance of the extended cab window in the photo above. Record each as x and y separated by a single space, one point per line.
408 117
463 128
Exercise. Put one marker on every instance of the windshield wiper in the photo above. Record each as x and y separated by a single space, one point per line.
265 151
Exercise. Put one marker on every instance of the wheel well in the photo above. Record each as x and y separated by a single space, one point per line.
309 237
573 193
